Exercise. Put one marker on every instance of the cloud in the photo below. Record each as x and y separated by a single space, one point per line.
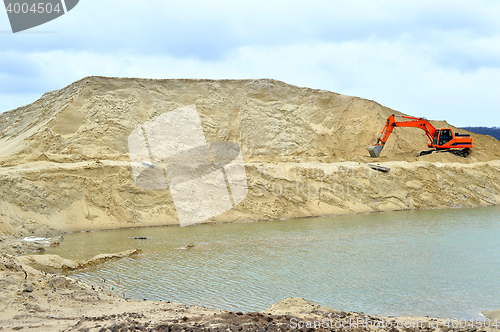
207 30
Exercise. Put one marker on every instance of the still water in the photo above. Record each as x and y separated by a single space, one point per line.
443 263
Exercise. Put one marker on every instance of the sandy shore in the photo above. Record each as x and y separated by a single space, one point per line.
31 299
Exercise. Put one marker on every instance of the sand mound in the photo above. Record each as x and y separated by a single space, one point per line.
492 314
296 305
57 264
268 119
65 166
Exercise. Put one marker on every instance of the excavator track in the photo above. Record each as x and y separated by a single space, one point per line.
461 153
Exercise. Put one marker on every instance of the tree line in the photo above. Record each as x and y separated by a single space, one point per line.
492 131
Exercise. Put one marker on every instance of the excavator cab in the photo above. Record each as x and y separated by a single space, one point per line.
445 136
434 139
441 137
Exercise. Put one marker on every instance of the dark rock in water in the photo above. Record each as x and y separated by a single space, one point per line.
140 238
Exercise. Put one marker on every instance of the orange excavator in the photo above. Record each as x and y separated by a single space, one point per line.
441 139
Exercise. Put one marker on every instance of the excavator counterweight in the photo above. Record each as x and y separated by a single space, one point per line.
443 139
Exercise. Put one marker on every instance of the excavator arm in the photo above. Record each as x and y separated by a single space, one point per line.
391 123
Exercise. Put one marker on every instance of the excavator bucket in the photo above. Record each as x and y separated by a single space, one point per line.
375 150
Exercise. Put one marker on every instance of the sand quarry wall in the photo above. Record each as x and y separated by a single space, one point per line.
64 163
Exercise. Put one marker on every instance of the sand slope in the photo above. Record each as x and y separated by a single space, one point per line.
64 163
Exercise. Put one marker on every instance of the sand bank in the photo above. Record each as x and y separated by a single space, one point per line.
43 198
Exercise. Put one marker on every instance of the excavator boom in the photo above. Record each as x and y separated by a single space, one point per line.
391 123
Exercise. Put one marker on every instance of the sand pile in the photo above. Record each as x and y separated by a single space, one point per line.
64 162
268 119
57 264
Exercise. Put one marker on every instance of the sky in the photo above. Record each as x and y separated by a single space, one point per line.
437 59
